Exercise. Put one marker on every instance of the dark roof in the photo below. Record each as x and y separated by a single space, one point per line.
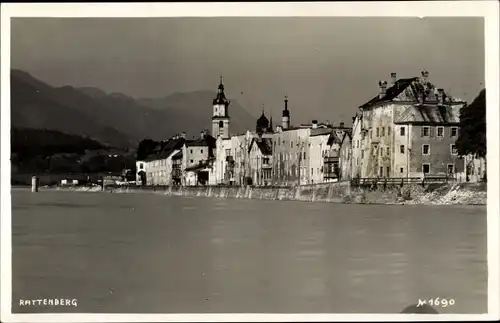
206 141
391 92
334 139
178 155
262 121
221 96
347 135
165 148
264 144
409 90
430 114
320 131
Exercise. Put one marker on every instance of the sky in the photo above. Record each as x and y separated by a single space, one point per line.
328 66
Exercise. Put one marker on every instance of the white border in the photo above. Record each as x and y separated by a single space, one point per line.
487 9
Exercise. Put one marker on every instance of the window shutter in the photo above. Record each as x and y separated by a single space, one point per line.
422 132
431 132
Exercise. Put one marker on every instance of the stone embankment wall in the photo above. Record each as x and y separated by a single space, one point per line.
435 194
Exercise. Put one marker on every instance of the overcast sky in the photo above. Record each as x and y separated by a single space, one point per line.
328 66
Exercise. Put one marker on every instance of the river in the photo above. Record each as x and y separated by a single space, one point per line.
148 253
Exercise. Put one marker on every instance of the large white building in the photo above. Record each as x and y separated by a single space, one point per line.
408 130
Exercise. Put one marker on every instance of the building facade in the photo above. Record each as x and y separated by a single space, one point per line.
408 130
346 157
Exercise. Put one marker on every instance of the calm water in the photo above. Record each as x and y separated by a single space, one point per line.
150 253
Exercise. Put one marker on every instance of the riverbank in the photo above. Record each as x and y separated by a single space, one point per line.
433 194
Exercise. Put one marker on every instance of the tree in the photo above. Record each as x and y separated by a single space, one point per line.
472 135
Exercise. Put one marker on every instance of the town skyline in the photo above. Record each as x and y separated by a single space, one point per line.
323 81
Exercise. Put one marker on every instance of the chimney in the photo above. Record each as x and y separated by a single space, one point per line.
440 96
202 134
341 125
425 75
183 135
315 124
383 87
393 78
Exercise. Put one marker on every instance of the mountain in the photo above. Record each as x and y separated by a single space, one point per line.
35 104
114 119
196 109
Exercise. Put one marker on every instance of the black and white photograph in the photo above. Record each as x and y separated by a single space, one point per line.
228 160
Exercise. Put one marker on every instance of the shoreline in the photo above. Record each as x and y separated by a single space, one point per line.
342 193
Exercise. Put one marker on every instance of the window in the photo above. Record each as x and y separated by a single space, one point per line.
440 131
425 149
425 132
378 132
388 171
402 131
202 151
362 154
402 148
453 131
381 171
357 144
371 132
382 130
141 166
401 170
453 149
451 168
426 168
312 171
381 151
191 151
357 161
191 161
304 155
388 131
221 124
228 152
291 144
388 150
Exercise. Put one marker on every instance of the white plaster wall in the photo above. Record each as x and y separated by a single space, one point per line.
316 162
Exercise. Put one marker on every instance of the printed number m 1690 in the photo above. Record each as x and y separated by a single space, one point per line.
443 302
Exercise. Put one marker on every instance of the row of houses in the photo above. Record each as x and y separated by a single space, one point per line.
408 130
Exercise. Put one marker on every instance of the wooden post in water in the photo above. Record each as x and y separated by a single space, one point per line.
34 184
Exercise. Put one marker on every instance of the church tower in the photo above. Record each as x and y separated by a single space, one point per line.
220 117
285 120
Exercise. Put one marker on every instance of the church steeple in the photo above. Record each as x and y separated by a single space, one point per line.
262 123
285 120
220 118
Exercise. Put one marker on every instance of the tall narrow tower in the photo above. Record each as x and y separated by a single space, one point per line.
220 118
285 120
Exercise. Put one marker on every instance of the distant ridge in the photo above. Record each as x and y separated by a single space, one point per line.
115 118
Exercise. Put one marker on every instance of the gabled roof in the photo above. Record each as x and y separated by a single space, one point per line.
206 141
334 139
347 136
430 114
264 145
165 149
409 90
